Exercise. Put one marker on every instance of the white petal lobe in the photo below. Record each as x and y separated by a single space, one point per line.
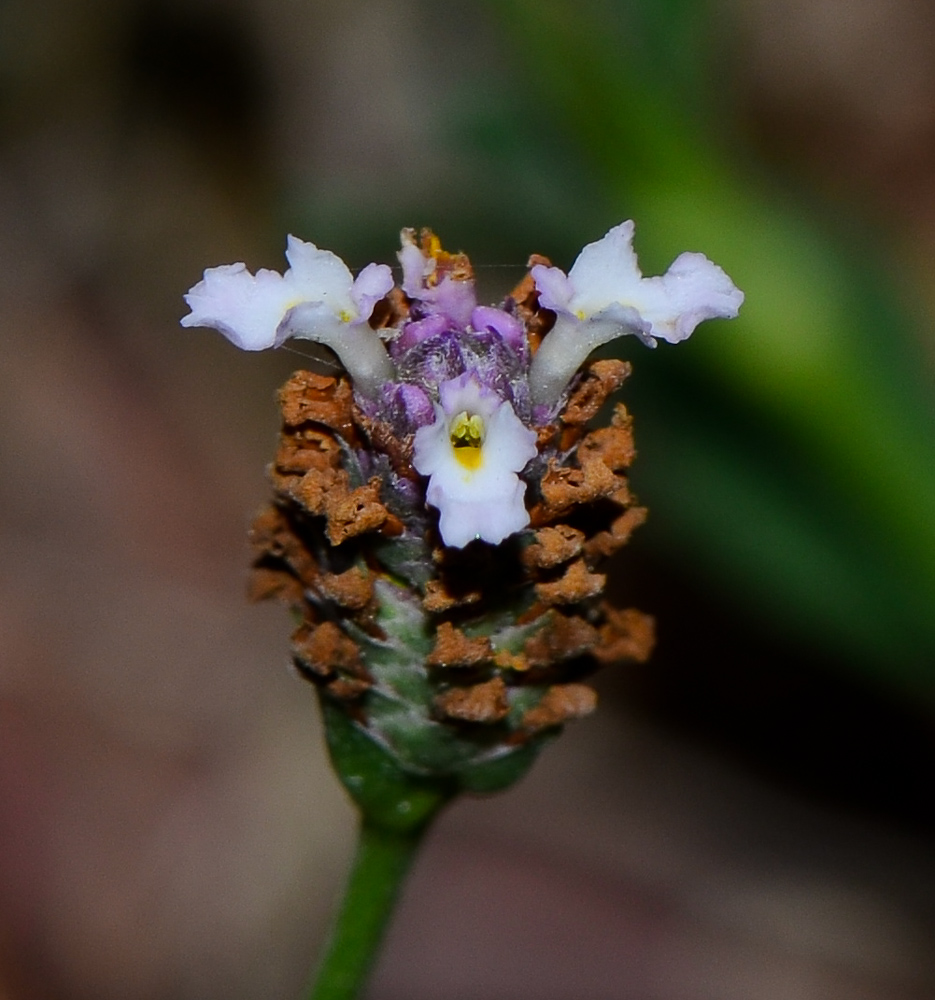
605 296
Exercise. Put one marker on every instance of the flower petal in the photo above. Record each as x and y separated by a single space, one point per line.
605 271
466 393
493 521
484 501
692 290
372 284
555 290
508 327
319 276
247 309
416 267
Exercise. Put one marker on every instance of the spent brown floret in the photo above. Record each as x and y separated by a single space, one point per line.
613 445
606 543
321 399
352 589
627 634
554 546
576 584
563 638
483 703
454 649
324 649
440 597
564 488
598 381
560 703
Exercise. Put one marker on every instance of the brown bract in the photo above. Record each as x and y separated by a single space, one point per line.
311 398
525 299
576 584
559 704
563 638
324 649
454 649
483 703
554 546
599 379
322 544
352 589
440 596
627 634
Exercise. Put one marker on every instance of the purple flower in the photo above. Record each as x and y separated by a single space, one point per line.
472 454
509 329
419 330
441 283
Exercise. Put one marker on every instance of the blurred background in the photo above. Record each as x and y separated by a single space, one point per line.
750 815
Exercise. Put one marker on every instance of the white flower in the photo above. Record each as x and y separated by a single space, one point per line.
317 299
472 454
605 296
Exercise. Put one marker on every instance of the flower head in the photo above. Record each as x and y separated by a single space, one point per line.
459 394
605 296
452 656
471 454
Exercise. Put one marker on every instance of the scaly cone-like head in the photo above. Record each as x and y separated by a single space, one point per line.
440 514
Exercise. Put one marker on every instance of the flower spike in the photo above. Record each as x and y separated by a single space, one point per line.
605 296
317 298
442 514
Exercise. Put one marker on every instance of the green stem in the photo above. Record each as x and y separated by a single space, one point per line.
382 860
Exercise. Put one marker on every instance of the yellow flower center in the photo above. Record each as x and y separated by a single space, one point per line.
467 435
